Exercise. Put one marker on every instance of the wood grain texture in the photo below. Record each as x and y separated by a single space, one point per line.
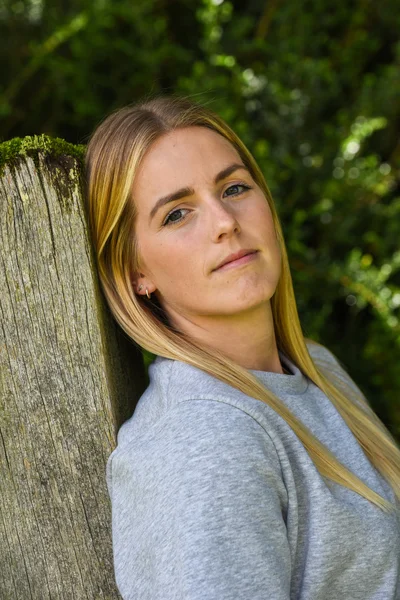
69 377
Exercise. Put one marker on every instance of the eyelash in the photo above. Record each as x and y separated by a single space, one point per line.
168 224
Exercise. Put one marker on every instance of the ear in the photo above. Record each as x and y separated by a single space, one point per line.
139 280
136 278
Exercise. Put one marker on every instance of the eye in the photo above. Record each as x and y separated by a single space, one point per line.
173 212
237 185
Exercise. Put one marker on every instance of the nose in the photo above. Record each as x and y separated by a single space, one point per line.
223 221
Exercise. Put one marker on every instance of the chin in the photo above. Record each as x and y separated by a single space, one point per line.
246 304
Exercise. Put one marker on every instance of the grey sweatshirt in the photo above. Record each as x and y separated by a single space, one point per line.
215 498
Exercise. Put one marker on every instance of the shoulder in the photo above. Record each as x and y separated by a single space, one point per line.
200 443
334 368
325 358
321 354
199 434
201 424
179 391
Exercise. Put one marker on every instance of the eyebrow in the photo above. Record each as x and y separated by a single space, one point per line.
187 191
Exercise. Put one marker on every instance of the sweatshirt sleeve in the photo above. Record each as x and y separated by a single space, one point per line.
198 509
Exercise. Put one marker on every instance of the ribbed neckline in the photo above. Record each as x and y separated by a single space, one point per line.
281 383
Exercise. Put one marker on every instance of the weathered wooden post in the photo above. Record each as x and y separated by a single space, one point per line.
69 377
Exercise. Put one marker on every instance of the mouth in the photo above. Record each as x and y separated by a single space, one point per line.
243 260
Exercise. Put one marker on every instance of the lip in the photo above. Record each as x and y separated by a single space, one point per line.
236 259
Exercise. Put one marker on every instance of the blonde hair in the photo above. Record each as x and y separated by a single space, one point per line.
114 154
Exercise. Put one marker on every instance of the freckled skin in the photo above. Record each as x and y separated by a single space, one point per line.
224 309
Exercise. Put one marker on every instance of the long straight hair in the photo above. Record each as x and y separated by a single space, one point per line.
114 154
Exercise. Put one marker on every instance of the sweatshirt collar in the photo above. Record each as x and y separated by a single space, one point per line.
281 384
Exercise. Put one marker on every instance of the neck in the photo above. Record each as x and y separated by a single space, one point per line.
247 339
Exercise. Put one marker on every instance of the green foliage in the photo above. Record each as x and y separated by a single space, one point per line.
314 93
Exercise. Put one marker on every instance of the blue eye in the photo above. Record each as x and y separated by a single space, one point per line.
246 187
169 221
173 212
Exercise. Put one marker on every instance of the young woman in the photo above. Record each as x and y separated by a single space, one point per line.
253 468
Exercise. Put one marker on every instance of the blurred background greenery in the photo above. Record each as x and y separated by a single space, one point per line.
313 90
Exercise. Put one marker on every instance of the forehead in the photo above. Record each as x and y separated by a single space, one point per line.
179 158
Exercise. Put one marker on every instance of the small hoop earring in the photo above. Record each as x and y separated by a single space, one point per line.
147 294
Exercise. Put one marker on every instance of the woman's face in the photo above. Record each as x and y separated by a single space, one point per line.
181 242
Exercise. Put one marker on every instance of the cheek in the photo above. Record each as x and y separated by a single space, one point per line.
268 233
261 220
269 224
170 262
